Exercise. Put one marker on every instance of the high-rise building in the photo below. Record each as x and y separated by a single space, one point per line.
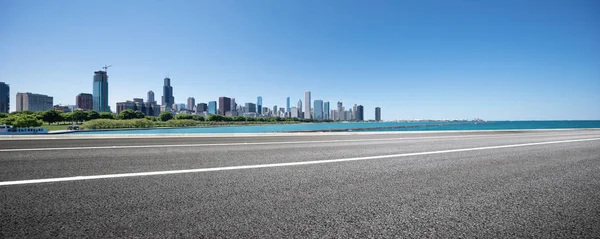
295 112
34 102
168 99
191 102
250 108
212 107
326 111
360 114
201 107
4 97
287 104
354 112
377 114
299 106
318 109
275 110
340 110
100 93
84 101
259 104
150 96
127 105
233 105
224 105
307 109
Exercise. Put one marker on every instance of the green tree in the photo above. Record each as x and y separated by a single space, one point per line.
216 118
67 117
197 118
184 117
92 114
106 115
27 121
51 116
79 116
139 114
3 115
165 116
126 114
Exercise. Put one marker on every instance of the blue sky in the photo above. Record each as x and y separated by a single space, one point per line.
497 60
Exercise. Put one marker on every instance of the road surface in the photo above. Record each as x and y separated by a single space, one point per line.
440 184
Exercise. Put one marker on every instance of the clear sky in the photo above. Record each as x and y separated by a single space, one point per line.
497 60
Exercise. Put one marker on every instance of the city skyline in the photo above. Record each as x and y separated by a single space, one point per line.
473 61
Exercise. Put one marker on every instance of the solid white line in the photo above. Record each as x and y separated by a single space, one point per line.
123 175
263 143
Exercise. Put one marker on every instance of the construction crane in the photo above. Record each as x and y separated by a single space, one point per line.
105 67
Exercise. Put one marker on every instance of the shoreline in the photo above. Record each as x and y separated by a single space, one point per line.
271 134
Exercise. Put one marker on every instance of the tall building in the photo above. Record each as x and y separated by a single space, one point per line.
275 110
287 104
168 99
4 97
354 112
360 113
191 102
127 105
224 105
307 105
299 106
201 107
250 108
233 105
295 112
377 114
150 96
326 111
340 110
212 107
84 101
318 109
259 104
34 102
100 93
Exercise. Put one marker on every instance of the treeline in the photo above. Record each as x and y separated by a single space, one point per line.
123 119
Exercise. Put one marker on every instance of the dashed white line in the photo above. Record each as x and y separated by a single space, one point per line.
123 175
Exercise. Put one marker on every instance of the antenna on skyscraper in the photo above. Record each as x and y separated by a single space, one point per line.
105 67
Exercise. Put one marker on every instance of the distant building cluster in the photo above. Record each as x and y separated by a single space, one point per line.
98 100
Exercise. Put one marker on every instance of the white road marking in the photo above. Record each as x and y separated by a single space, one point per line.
123 175
262 143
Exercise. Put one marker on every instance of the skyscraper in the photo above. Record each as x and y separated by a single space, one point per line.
84 101
33 102
4 97
224 105
250 108
299 106
307 105
168 99
275 110
360 114
377 114
233 105
340 111
354 112
259 104
326 111
212 107
100 93
191 102
150 96
318 108
201 107
287 104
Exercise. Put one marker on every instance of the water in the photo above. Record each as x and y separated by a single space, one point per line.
368 126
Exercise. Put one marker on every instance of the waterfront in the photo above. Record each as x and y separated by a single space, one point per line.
367 126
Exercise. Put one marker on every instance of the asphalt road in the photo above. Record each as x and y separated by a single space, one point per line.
541 184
